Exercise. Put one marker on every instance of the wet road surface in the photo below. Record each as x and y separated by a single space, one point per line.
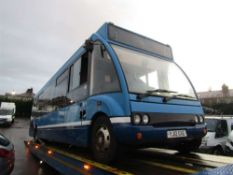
25 163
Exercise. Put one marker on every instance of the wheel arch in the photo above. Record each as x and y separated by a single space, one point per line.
219 146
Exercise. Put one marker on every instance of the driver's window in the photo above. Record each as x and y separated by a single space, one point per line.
103 73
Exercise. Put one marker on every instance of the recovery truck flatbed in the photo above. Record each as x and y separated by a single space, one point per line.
66 160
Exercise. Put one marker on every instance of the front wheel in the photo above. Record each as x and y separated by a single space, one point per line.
218 150
103 142
13 120
34 135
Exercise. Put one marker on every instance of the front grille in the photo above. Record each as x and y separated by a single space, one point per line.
174 124
2 120
173 120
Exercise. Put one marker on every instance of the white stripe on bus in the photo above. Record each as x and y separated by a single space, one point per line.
120 120
85 123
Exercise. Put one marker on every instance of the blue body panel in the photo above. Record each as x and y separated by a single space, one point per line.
68 127
152 136
165 108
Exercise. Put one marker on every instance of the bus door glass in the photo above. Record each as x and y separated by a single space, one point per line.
78 89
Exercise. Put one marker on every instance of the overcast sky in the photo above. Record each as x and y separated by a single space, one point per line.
37 37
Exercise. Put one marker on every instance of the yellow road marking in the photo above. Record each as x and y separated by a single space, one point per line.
93 163
170 167
80 170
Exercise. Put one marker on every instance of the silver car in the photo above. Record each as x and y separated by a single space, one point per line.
7 156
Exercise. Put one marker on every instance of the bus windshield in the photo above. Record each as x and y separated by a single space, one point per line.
145 73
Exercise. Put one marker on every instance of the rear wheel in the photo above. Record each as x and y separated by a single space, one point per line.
103 142
188 147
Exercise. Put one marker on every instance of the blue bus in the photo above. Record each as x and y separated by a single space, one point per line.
119 89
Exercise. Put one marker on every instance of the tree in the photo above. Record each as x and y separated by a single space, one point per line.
225 90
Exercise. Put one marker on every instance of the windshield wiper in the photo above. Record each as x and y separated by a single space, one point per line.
161 90
166 99
150 92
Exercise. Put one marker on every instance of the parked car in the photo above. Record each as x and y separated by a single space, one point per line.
229 144
7 156
7 113
219 128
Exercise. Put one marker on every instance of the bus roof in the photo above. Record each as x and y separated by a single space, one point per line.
116 34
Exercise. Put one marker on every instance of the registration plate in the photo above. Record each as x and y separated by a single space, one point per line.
176 134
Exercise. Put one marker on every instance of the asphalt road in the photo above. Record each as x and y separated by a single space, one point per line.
25 163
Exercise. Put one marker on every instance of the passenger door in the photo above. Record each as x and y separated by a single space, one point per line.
78 90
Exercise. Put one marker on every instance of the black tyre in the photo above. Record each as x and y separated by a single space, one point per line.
103 142
190 146
35 133
13 120
218 151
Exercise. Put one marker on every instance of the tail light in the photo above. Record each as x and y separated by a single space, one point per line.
5 153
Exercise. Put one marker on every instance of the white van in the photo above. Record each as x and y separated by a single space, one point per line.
7 113
229 143
219 128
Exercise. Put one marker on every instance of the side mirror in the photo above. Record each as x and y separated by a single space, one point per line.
88 45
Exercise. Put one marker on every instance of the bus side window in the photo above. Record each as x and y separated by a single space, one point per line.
78 79
79 72
103 74
75 75
62 84
84 69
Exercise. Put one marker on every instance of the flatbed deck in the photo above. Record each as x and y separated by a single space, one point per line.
68 160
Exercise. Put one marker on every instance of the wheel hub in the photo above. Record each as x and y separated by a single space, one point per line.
102 139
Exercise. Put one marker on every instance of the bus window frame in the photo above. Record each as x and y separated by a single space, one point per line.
87 83
111 57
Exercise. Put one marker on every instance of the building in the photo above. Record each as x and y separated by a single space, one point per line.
210 98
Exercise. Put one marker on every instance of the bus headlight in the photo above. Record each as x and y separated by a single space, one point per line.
201 119
196 119
136 119
145 119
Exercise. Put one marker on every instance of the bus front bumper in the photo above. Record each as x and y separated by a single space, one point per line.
144 136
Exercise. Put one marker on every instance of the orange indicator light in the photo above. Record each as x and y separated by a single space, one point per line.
86 167
139 136
50 152
28 143
37 147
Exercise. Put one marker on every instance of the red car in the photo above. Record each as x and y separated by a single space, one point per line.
7 156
